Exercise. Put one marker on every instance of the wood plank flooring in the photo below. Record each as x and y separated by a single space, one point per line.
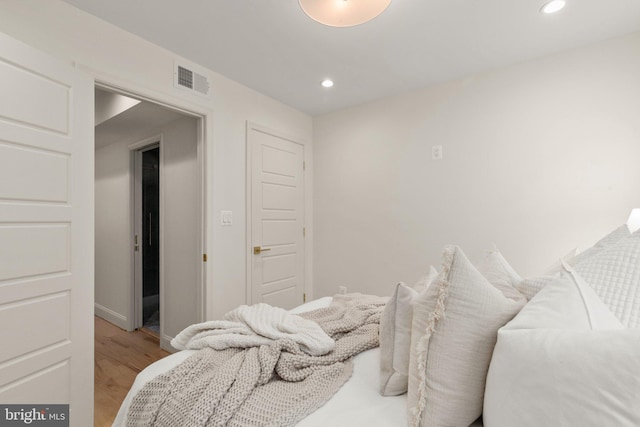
119 357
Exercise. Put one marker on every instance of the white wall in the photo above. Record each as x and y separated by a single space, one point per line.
179 186
539 158
180 223
113 233
121 58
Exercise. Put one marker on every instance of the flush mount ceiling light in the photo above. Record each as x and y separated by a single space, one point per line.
553 6
343 13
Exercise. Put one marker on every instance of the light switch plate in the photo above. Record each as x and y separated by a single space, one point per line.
436 152
226 218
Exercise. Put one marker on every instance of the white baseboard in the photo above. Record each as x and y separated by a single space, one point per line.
165 344
111 316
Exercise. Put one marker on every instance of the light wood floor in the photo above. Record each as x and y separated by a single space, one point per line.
119 356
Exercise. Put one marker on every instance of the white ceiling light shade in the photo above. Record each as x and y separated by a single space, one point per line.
553 6
327 83
343 13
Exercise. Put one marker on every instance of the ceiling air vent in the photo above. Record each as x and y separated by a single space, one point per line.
185 77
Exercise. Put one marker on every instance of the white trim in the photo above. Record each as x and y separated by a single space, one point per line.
165 343
248 291
201 292
178 104
135 304
135 298
204 115
147 142
111 316
308 208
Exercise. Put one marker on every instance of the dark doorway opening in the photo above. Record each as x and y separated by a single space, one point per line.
150 244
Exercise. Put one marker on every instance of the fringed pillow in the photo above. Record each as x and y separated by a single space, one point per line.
455 322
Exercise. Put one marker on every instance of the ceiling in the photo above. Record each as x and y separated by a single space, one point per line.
136 120
274 48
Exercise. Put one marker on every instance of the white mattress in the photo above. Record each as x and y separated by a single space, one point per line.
356 403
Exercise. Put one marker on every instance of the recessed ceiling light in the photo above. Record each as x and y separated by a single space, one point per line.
327 83
553 6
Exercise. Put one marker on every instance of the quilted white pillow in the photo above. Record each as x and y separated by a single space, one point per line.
556 267
395 336
614 273
453 333
564 360
607 241
530 286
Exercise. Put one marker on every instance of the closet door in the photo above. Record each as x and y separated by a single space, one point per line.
46 232
277 231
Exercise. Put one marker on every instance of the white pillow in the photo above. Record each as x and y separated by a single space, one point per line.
567 302
395 341
453 333
426 280
607 241
564 361
556 268
530 286
614 273
395 336
495 268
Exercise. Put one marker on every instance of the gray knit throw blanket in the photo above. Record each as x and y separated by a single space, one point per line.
270 385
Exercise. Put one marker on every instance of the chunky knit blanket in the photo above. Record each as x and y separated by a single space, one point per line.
274 384
253 326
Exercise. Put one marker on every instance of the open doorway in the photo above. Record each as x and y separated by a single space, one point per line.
147 235
149 215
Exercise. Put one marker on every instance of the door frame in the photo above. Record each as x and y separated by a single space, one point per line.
135 150
308 209
204 117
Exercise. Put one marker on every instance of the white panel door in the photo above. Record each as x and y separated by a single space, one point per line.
46 232
277 218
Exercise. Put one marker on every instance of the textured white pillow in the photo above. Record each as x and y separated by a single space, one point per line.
568 302
395 341
614 273
395 336
556 268
564 361
530 286
495 268
453 333
607 241
426 280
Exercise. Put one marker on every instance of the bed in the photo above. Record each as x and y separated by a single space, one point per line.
358 401
556 349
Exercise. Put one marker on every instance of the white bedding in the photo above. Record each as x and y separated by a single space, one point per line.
356 403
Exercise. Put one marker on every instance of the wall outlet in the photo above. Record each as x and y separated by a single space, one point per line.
342 290
436 152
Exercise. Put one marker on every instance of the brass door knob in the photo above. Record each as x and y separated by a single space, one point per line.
257 250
